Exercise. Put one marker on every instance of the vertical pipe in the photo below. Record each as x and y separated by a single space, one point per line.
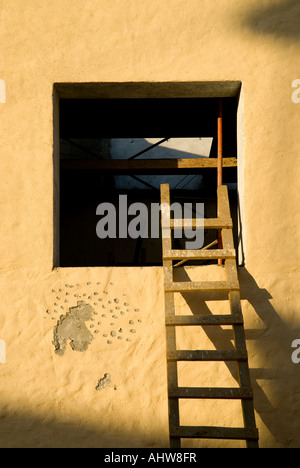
220 162
220 142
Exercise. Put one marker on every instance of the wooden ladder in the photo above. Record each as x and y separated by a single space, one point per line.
244 392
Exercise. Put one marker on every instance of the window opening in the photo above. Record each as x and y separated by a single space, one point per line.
113 147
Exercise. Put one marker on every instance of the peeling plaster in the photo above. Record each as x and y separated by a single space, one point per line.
104 382
72 327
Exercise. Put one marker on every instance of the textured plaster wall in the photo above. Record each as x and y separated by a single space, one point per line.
51 400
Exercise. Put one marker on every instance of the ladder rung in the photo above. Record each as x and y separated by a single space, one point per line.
211 393
204 355
199 254
203 432
206 223
190 286
190 320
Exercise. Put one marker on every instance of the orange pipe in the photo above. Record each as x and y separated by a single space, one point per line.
220 143
220 162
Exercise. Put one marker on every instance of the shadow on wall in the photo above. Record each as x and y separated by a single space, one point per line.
30 430
274 402
281 21
278 406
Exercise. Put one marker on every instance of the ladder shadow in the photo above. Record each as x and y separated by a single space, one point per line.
261 343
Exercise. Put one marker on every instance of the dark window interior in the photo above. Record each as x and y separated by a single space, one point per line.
112 129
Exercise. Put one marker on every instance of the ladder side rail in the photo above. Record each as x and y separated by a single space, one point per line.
239 337
172 370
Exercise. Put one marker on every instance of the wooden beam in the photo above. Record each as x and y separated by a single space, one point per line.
198 254
223 202
206 223
145 166
189 286
196 432
211 393
207 355
202 320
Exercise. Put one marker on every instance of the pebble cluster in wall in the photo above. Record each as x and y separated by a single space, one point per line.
113 318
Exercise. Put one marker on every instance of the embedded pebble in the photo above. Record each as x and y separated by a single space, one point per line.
109 342
116 301
113 333
132 331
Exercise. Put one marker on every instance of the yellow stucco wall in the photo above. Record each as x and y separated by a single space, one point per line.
50 400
